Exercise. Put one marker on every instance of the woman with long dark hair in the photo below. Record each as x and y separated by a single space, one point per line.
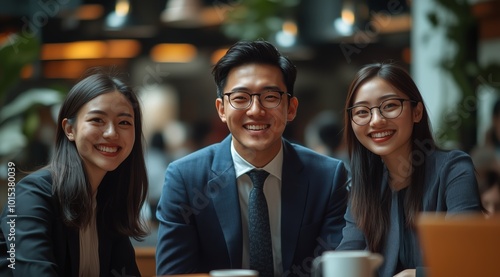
397 169
74 217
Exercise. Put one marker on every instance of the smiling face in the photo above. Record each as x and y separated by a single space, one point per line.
382 136
103 132
256 130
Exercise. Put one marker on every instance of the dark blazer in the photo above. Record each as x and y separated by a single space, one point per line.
200 220
450 186
45 246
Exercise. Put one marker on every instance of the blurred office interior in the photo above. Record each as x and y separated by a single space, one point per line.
450 47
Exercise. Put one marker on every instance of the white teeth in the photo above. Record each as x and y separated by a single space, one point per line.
381 134
256 127
107 149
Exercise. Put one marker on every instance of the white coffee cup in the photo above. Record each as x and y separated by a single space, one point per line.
233 273
353 263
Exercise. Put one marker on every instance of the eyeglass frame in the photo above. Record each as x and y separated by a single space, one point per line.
228 94
402 100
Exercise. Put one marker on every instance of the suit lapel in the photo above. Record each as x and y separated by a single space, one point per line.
224 192
293 200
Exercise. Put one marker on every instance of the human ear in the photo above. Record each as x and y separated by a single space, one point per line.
219 105
292 108
418 112
68 129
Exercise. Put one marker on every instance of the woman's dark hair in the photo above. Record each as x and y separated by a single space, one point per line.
370 205
246 52
124 188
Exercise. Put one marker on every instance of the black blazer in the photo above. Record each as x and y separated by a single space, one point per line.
45 246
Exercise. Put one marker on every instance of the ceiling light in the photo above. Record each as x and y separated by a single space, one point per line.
173 52
182 13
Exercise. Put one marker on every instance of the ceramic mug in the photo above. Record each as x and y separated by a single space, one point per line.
352 263
233 273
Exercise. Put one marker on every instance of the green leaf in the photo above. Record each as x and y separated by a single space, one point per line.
15 52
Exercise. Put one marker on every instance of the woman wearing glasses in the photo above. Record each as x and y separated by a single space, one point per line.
397 169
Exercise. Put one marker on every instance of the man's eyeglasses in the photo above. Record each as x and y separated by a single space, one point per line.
390 108
241 100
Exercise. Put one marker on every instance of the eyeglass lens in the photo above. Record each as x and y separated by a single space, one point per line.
243 100
390 108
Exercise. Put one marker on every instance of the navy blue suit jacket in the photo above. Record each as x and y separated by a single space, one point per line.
200 220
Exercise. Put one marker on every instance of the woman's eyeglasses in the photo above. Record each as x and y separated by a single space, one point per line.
390 108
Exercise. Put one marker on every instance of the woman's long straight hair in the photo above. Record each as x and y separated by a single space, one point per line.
370 204
122 190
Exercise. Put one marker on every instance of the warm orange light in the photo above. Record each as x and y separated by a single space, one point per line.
63 69
214 14
173 52
348 16
89 12
74 69
122 7
290 27
91 50
218 54
27 71
126 48
74 50
4 36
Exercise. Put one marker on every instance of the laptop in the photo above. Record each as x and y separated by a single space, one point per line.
462 245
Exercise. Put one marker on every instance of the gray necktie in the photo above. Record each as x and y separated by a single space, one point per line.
259 231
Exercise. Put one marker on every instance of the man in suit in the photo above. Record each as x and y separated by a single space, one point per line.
204 208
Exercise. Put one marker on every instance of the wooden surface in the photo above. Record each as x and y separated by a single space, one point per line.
145 258
146 261
460 246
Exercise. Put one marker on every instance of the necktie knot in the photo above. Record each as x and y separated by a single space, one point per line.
258 177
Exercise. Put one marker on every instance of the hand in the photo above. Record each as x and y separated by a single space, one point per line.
407 273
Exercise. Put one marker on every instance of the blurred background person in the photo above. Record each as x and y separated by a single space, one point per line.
324 135
160 105
157 159
486 157
489 189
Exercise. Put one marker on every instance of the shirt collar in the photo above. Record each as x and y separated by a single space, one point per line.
241 166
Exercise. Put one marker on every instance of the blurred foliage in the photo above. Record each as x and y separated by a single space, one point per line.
19 110
16 52
256 19
463 66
